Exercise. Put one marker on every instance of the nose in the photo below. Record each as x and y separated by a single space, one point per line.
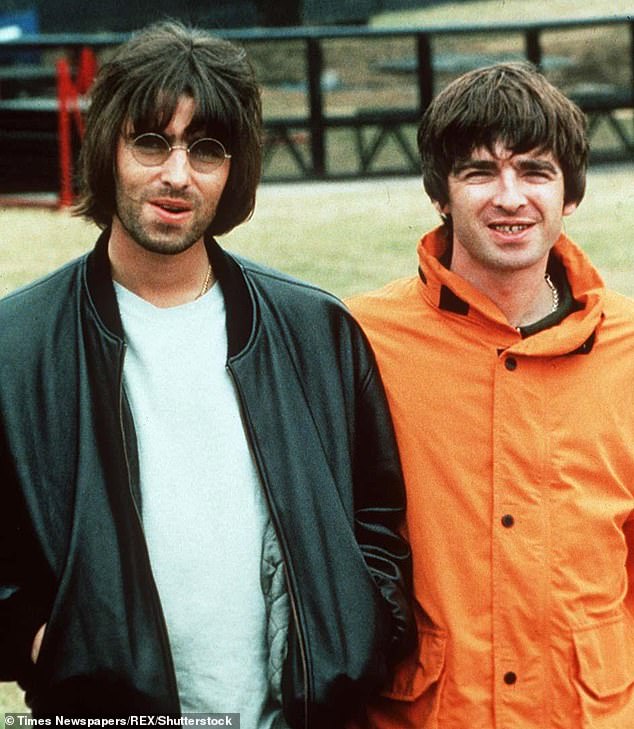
509 194
175 171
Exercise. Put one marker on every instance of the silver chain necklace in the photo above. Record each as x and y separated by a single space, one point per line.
554 291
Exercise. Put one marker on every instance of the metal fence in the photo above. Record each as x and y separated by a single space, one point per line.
345 101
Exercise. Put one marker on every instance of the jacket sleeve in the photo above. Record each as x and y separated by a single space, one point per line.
19 615
380 511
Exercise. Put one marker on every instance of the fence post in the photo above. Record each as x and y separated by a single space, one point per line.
87 69
425 66
533 47
317 145
68 95
64 90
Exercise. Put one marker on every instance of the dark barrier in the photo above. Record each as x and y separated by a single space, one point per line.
345 101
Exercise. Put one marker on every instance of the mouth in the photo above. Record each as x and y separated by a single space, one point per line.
510 229
171 210
171 206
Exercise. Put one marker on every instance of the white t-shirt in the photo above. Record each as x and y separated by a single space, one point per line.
203 508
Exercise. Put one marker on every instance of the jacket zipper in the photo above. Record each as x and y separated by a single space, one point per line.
163 627
280 536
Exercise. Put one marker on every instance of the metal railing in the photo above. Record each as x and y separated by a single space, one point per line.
305 134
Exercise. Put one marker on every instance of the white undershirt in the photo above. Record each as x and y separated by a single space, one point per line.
203 509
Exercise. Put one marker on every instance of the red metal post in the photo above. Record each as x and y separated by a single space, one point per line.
64 90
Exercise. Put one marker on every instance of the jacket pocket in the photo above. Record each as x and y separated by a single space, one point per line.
605 654
421 671
605 680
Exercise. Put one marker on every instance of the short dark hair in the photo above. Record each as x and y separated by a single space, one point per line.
510 103
141 86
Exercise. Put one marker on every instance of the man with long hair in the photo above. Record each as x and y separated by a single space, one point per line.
509 369
201 492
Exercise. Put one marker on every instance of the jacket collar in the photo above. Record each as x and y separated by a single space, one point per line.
239 301
449 292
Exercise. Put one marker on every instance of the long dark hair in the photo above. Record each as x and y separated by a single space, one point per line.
140 87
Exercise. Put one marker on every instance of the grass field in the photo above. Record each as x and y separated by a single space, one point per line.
346 237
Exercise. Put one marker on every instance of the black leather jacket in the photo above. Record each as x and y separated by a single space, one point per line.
72 551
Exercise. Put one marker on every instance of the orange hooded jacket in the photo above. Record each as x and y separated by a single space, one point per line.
518 456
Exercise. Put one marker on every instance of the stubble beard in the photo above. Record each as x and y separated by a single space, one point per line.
163 238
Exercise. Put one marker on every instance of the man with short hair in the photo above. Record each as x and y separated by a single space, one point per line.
509 370
201 490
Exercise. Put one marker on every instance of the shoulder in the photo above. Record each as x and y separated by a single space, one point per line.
614 299
292 296
316 324
619 308
37 305
284 284
386 304
43 287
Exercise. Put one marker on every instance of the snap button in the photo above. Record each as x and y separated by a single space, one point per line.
508 521
510 678
510 363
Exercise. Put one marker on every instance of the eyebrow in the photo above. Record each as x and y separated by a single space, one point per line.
187 136
473 164
537 165
525 164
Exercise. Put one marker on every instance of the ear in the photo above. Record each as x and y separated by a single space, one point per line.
570 207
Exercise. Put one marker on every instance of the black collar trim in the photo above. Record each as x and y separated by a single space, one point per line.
240 304
452 302
448 300
100 288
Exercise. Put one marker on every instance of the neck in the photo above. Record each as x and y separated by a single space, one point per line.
523 296
163 280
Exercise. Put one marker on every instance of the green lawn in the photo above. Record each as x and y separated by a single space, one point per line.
346 237
10 699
